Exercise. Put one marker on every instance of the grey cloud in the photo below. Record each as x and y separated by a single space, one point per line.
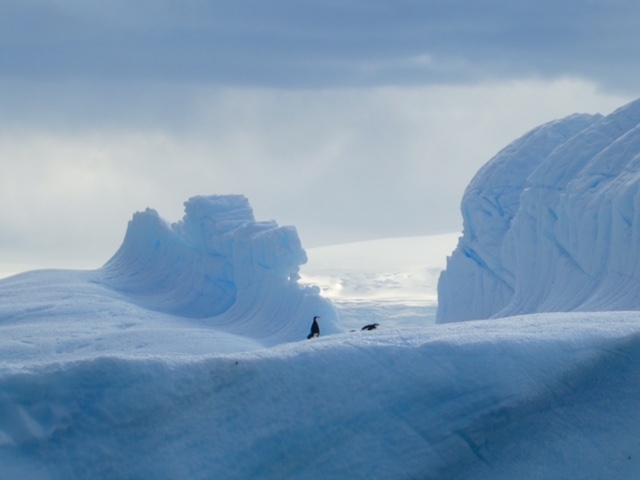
340 165
109 107
317 44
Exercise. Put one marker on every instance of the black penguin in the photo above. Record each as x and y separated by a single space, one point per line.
372 326
315 328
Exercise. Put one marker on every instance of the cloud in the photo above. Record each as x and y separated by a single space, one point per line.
339 164
320 44
350 120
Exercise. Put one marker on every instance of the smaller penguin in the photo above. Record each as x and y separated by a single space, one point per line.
315 328
372 326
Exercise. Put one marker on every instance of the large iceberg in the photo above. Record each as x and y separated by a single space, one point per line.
551 223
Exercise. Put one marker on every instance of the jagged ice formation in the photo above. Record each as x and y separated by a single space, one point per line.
551 223
216 269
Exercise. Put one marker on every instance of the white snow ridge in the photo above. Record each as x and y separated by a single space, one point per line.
185 356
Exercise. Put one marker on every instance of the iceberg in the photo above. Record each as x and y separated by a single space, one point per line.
548 224
217 269
219 263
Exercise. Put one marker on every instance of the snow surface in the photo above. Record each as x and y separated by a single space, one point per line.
551 223
555 397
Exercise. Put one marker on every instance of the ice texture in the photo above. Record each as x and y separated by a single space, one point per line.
540 397
551 224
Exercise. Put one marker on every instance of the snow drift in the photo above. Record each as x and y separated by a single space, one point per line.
551 223
554 398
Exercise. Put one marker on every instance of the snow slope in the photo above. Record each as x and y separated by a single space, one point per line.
549 222
554 398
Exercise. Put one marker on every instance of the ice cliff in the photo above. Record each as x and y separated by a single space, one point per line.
551 223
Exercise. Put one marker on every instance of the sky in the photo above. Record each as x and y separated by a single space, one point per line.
350 120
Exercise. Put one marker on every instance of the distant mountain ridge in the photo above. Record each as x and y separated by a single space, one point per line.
551 223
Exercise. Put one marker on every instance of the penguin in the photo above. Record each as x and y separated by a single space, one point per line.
372 326
315 328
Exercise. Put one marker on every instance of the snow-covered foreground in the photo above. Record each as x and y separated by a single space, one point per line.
555 397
